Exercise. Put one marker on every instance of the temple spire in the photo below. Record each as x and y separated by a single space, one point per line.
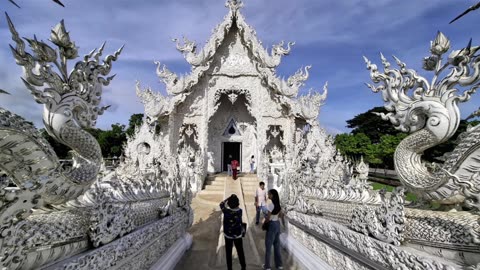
234 5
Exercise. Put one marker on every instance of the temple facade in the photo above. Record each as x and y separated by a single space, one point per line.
232 103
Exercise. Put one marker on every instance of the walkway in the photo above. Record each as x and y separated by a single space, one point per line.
208 251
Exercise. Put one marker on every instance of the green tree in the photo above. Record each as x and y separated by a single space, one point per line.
435 154
60 149
135 120
372 125
384 139
352 145
373 155
111 141
386 148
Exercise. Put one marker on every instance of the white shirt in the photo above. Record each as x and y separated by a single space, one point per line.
270 208
261 194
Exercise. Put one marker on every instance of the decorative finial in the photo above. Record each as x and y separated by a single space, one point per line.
234 5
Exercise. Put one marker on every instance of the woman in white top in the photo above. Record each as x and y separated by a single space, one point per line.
272 237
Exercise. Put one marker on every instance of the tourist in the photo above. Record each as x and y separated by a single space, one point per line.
234 168
260 201
233 229
252 164
229 165
272 227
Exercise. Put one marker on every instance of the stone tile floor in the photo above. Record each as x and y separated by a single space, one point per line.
207 251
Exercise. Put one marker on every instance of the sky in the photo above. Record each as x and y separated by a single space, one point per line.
330 35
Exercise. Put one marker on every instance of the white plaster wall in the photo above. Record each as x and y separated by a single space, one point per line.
219 123
210 109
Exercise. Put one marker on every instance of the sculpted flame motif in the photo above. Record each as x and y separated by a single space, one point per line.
71 104
156 105
308 106
429 110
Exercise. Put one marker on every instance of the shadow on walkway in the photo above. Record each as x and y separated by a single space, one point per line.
208 250
203 252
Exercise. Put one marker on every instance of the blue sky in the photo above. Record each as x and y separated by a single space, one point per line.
330 35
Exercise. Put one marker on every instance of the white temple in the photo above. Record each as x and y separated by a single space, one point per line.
139 215
232 102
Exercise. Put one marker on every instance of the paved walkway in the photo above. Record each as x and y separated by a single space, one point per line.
208 251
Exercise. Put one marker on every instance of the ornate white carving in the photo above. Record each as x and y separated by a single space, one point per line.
385 223
156 105
362 170
275 131
287 88
206 54
108 221
131 216
308 106
71 103
232 95
276 155
54 213
430 112
371 253
177 85
442 229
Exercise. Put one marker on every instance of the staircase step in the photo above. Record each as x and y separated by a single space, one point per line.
214 187
212 192
215 183
211 199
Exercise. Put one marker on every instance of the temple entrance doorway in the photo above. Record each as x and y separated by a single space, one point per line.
233 149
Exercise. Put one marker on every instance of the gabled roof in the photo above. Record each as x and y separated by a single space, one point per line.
265 63
234 16
202 60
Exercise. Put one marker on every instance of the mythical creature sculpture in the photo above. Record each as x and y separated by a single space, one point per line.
175 84
71 102
134 213
429 111
288 88
156 104
308 106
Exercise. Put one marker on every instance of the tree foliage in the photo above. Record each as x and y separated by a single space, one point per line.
60 149
136 120
376 140
353 145
436 153
111 141
372 125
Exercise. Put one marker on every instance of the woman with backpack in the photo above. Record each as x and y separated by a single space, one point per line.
233 229
272 226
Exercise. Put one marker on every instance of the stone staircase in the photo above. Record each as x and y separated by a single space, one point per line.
250 183
208 251
214 191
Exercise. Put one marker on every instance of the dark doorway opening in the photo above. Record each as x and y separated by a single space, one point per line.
232 149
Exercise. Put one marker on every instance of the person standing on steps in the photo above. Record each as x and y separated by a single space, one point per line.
260 201
234 169
233 229
229 165
272 226
252 164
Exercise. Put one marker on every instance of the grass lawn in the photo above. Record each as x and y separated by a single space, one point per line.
409 196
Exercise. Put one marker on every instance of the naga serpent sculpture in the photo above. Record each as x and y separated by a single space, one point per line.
429 111
71 104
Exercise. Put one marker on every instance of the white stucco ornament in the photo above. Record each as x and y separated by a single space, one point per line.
233 105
